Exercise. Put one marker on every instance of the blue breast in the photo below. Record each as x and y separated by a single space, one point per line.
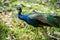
30 21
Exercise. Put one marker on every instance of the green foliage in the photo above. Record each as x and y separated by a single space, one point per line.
1 4
4 31
53 1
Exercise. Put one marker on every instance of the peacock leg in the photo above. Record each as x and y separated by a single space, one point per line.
36 32
52 32
44 32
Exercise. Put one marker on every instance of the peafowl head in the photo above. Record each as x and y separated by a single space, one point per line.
19 8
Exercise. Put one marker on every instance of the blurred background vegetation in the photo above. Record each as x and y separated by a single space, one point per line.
12 28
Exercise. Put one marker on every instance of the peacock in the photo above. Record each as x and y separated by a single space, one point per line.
37 19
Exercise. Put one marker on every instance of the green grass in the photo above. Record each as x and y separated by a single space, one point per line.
4 31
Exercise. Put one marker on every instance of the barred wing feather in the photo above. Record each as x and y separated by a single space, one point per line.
39 16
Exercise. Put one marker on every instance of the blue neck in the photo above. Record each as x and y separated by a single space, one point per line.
19 13
23 17
20 16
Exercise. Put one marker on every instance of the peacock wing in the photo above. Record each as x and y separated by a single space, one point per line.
39 16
